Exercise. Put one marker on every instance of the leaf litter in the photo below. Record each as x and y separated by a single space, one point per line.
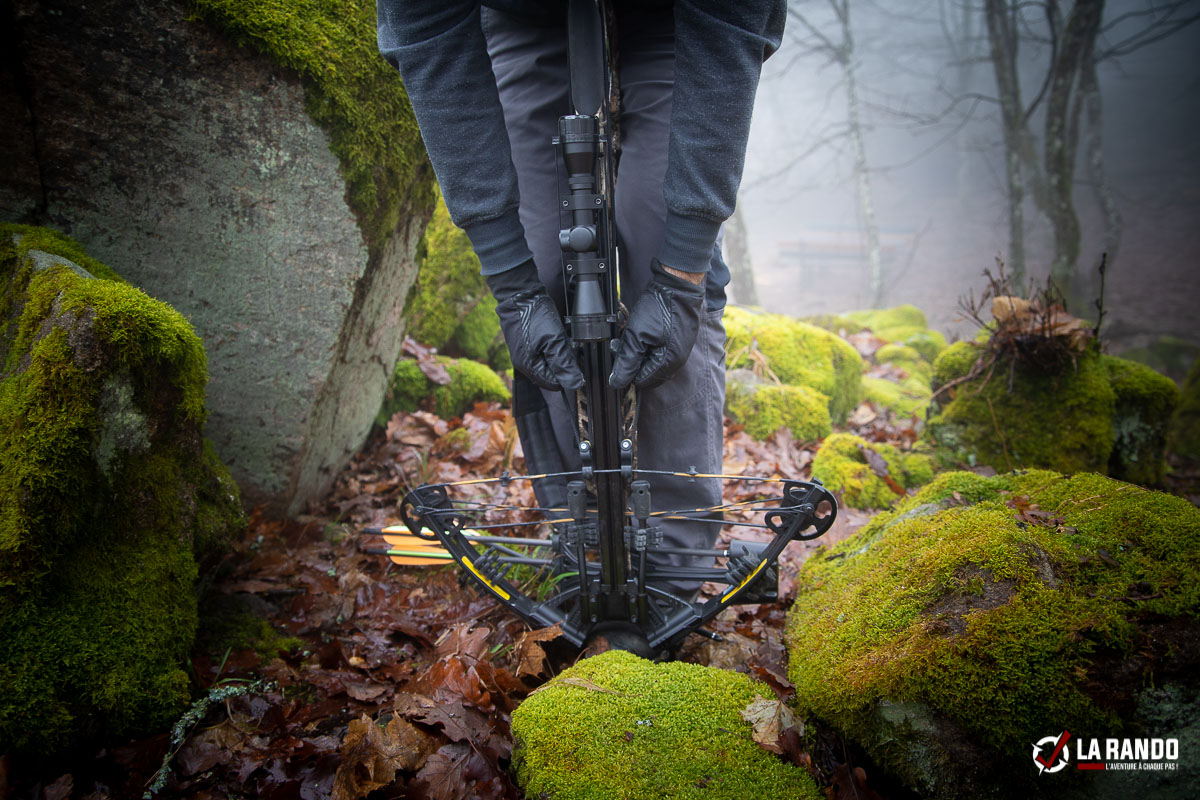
399 682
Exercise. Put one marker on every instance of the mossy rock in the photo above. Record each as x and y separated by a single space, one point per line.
878 319
1184 437
1145 401
984 614
1169 355
1101 414
618 727
448 285
1061 421
907 398
479 337
470 383
799 354
110 496
351 92
842 466
834 323
764 408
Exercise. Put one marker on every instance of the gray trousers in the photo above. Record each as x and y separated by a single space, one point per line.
680 422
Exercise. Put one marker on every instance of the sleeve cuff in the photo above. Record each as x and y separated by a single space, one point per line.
688 242
499 243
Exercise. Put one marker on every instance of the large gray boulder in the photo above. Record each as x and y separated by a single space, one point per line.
262 174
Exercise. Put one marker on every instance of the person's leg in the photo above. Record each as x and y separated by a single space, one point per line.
530 64
680 426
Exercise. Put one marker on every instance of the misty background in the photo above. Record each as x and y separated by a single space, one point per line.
933 143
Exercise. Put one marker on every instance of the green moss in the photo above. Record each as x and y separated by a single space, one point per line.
470 383
799 354
352 93
618 727
1145 401
986 621
1184 436
479 337
929 343
897 354
448 282
227 623
885 318
1057 421
955 362
107 493
834 323
906 398
1169 355
842 466
764 409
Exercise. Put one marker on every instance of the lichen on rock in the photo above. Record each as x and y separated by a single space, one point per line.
108 498
843 464
985 613
618 727
1143 403
797 353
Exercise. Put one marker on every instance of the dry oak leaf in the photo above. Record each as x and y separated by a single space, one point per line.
770 719
371 756
529 655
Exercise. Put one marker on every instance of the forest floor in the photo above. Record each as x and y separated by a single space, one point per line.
378 681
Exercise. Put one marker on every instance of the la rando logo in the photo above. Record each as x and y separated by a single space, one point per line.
1053 753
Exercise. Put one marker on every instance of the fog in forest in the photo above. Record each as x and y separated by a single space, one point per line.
933 142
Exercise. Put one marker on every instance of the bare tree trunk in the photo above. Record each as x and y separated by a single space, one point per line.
1002 37
862 173
1062 129
737 257
1089 88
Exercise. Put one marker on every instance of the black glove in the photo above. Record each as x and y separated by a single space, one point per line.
533 329
660 333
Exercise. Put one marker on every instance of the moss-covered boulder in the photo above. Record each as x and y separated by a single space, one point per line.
905 388
984 614
798 354
844 464
904 325
1169 355
1098 414
470 383
450 307
618 727
763 408
257 166
1184 434
1144 401
108 497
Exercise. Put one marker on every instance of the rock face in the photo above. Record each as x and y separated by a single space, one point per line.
618 726
182 149
984 614
109 497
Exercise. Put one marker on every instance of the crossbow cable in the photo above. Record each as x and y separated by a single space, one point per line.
600 559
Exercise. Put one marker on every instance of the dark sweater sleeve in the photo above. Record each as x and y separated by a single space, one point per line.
439 48
719 51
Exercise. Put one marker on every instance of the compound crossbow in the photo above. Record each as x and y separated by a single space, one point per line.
601 553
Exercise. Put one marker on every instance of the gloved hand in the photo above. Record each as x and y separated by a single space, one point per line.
660 333
533 329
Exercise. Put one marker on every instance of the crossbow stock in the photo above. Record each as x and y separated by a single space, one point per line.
598 561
